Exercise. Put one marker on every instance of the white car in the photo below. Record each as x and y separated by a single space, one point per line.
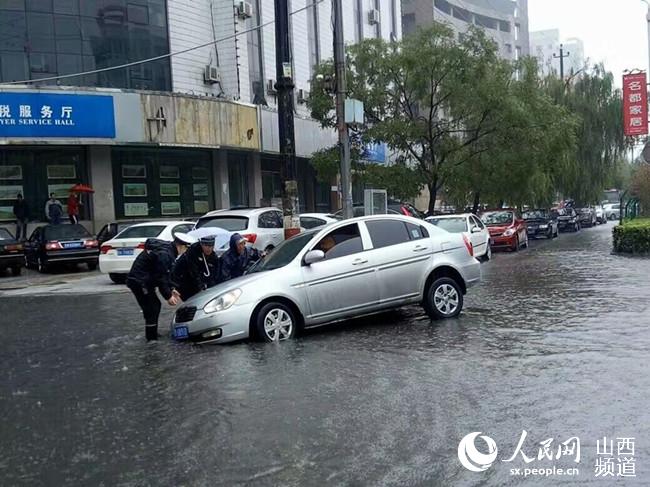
612 211
262 227
469 225
315 220
117 255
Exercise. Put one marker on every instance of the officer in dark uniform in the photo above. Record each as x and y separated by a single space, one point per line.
152 269
197 269
238 258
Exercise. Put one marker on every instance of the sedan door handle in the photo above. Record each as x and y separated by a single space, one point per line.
359 261
419 248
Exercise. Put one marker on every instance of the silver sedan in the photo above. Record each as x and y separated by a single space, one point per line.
346 269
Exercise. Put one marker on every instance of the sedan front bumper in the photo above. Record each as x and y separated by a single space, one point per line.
503 242
233 323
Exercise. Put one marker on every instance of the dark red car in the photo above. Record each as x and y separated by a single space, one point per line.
507 229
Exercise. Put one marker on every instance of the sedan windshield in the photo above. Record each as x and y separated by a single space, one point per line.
283 253
451 225
535 215
497 218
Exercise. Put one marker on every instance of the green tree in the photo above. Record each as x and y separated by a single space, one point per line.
593 98
434 100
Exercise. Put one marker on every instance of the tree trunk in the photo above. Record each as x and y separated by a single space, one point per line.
501 203
433 192
477 202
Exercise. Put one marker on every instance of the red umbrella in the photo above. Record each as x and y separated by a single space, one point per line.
81 188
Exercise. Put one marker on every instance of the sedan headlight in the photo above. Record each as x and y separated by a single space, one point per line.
509 232
222 302
543 227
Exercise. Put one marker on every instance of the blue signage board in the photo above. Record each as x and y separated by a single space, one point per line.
375 152
37 115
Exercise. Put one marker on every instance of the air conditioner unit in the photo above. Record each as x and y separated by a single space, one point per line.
270 87
245 10
373 17
211 74
302 96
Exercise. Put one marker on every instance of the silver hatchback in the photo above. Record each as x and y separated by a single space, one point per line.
340 271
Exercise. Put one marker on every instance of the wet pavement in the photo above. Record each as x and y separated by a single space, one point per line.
555 342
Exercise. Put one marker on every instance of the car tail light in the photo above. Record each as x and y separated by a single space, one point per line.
54 245
140 246
405 211
468 244
105 249
91 243
13 248
251 237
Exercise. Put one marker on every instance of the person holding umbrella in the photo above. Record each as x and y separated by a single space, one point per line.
73 208
199 268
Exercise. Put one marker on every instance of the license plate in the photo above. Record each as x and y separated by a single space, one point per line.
124 251
181 332
73 245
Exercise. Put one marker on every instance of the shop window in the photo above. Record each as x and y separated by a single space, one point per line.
136 209
134 171
66 171
201 207
170 208
200 173
11 172
134 190
170 189
170 172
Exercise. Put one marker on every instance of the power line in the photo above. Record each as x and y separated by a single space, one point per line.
162 56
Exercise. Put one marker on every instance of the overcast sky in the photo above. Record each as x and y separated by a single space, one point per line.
613 31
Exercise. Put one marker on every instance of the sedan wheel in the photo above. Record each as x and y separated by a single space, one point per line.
42 265
275 322
444 299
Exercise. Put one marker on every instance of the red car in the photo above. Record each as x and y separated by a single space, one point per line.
507 229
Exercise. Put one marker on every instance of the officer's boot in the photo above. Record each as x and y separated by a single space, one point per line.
151 331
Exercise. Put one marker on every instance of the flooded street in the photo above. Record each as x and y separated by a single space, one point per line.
555 341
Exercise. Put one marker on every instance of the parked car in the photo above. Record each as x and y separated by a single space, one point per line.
567 220
601 217
469 225
11 253
315 220
507 229
262 227
346 269
393 207
613 211
541 223
118 254
587 217
110 230
61 244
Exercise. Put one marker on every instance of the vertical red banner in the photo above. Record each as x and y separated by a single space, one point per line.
635 104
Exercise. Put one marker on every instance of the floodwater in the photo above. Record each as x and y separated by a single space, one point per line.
554 342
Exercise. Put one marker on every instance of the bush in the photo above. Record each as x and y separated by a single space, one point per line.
633 237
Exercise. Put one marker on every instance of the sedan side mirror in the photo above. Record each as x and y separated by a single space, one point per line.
314 256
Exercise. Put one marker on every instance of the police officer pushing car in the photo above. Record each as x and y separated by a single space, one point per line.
152 269
197 269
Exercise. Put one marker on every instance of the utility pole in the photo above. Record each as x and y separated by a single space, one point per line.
284 86
561 57
344 138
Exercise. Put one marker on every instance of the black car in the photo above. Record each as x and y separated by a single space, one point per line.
11 253
110 230
587 217
567 220
541 223
61 244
